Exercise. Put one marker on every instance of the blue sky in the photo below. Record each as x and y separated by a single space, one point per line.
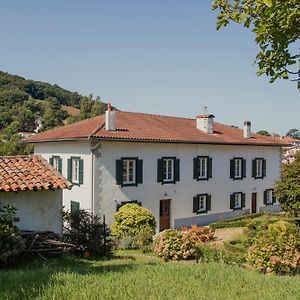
155 56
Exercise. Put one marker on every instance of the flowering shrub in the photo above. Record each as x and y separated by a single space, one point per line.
134 226
277 250
178 245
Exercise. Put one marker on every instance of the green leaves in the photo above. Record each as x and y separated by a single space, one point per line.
269 3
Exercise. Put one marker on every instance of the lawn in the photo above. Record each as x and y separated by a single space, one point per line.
136 276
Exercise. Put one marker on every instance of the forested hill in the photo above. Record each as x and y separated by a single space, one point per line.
27 105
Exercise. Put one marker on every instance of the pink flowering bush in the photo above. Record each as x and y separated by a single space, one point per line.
180 245
277 250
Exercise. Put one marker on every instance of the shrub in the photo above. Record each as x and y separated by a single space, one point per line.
277 249
180 245
87 233
11 244
8 215
133 227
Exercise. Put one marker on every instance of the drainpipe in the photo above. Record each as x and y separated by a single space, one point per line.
92 175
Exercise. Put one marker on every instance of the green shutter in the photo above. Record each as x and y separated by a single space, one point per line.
195 204
209 167
60 165
232 168
51 161
196 168
177 169
243 200
265 197
139 171
254 168
232 201
119 173
81 171
69 172
159 170
243 168
75 206
208 202
264 167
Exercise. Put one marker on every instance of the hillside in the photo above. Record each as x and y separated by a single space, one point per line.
29 105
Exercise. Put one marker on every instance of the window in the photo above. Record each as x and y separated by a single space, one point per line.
75 170
168 170
259 168
237 201
129 171
56 162
202 168
75 206
128 202
269 197
237 168
202 203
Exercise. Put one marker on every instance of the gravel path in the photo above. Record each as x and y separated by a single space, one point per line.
226 234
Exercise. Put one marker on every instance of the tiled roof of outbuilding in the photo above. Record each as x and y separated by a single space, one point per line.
21 173
152 128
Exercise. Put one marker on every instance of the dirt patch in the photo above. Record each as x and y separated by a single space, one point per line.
226 234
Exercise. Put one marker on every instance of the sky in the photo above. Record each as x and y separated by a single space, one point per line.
162 57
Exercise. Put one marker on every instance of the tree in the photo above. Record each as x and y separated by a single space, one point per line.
264 132
275 24
287 190
294 133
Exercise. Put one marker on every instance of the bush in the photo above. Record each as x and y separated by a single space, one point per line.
11 244
133 227
277 249
87 233
180 245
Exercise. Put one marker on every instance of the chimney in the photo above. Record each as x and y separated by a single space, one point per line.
247 130
110 119
205 123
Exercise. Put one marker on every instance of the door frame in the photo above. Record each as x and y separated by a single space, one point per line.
168 201
253 203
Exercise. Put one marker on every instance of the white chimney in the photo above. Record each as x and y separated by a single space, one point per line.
205 123
110 119
247 130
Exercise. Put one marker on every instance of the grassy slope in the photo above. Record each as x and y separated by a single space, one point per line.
138 277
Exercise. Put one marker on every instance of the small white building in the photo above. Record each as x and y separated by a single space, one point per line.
34 187
186 171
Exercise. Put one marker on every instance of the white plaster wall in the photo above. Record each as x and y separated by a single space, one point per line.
38 211
220 186
65 150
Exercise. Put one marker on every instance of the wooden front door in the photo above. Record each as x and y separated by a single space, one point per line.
253 203
164 214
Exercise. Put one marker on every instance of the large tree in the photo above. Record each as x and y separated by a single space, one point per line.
294 133
276 25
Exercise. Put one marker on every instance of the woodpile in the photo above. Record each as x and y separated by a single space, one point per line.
45 243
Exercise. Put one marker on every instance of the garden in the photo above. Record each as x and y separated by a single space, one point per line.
130 260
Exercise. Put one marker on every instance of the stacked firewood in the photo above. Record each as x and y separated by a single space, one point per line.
45 243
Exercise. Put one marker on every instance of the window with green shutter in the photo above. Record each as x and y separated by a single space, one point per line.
75 172
56 162
129 171
258 168
168 170
201 203
237 201
75 206
237 168
202 168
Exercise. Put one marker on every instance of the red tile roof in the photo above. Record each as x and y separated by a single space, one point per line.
152 128
21 173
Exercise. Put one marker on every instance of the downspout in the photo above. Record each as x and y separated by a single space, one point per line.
92 175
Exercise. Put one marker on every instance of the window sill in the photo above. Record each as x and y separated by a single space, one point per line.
237 178
168 182
238 208
199 212
203 179
258 177
129 184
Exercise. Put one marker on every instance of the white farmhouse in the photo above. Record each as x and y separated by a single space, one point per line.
186 171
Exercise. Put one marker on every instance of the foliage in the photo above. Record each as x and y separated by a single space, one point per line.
87 232
276 250
294 133
264 132
287 190
11 244
275 24
134 226
173 244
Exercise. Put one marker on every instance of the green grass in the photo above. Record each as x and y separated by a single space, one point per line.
135 276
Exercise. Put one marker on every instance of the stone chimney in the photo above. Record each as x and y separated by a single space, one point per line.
205 123
247 130
110 119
